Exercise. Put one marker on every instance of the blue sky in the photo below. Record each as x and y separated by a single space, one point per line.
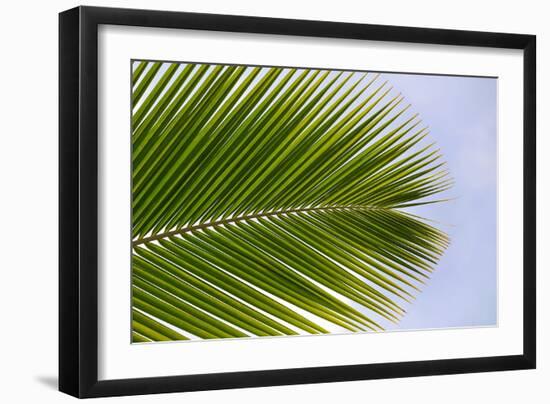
461 113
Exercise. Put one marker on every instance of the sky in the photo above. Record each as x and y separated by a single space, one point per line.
461 113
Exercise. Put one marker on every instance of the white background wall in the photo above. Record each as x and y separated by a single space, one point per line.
28 199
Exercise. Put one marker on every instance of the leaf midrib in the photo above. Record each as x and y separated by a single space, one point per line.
206 225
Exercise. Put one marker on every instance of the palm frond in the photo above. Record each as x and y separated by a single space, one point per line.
267 201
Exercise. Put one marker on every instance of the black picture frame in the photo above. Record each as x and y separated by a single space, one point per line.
78 201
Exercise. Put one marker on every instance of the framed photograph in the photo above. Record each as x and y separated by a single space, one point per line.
250 201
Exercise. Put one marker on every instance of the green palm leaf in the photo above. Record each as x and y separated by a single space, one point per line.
269 201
